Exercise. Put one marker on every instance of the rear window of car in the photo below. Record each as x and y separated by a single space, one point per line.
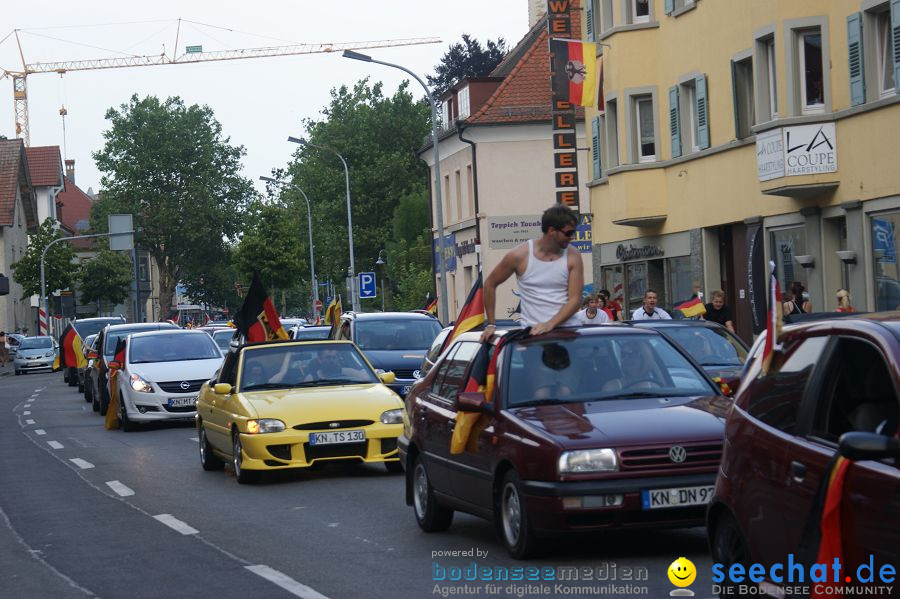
172 348
709 346
304 334
223 338
112 338
595 368
396 334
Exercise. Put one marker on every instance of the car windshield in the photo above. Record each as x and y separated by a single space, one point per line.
709 346
396 334
92 327
223 338
308 334
174 347
36 343
600 367
314 365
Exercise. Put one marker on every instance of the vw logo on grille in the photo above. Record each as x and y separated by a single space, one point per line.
677 454
334 425
185 385
417 374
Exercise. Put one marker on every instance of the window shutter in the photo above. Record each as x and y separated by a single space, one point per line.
595 147
670 6
674 121
702 116
589 19
895 36
855 58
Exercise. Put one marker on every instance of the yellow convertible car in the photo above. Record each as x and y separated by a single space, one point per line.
294 405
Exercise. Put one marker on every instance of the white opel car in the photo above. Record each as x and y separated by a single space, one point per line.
163 373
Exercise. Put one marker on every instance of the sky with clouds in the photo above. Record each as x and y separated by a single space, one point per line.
258 101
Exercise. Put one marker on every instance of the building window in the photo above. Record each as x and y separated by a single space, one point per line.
742 81
766 80
605 13
812 80
884 54
459 196
612 133
884 261
645 134
463 99
445 114
678 5
640 11
470 185
787 244
690 126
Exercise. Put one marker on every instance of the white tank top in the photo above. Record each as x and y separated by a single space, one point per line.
544 289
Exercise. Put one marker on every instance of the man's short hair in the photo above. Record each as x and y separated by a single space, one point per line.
717 293
653 291
557 217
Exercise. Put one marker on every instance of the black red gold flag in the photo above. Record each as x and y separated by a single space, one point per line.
575 70
258 319
472 313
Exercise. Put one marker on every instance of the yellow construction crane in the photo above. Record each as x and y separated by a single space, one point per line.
191 55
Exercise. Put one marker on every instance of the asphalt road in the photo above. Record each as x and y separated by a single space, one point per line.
86 512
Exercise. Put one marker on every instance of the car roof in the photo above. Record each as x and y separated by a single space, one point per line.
168 331
566 332
298 342
388 316
96 318
140 326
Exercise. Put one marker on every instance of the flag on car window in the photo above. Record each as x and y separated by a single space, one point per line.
430 304
258 319
117 363
70 354
574 71
773 321
472 313
692 307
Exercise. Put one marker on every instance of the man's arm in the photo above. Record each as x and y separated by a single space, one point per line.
572 305
498 276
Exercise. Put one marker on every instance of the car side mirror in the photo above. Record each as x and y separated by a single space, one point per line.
473 401
387 377
222 389
868 446
92 355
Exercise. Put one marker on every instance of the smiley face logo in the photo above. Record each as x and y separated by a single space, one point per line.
682 572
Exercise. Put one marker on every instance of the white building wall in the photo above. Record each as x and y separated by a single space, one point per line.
15 314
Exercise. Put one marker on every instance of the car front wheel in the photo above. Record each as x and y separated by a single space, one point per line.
514 522
430 515
208 459
237 451
729 548
128 424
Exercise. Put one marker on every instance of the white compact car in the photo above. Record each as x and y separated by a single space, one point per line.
163 373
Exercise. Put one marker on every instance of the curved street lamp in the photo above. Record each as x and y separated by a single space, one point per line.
312 259
437 170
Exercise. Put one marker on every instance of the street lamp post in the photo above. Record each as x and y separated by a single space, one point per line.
437 170
354 295
312 259
380 262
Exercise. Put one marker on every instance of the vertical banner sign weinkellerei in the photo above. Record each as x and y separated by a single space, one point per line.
562 111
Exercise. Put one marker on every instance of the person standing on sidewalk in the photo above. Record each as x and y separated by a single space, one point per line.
4 349
550 275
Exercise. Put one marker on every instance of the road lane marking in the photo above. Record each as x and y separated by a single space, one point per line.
26 413
119 488
286 582
29 421
176 524
83 464
195 439
40 431
55 444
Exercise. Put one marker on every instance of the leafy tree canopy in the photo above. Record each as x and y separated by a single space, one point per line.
171 167
106 277
467 58
269 246
58 270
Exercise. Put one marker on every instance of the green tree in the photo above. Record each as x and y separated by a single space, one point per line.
106 277
466 59
171 167
269 246
378 136
58 270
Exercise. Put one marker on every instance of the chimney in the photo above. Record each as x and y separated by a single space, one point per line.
70 169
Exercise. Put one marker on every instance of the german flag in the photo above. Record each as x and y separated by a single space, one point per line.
574 71
112 411
258 319
773 322
430 304
692 307
70 354
472 313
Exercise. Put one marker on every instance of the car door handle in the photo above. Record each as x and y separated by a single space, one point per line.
798 472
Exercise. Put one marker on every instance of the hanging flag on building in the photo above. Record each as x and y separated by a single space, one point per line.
575 70
472 313
258 319
773 321
692 307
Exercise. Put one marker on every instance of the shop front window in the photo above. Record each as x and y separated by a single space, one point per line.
787 244
681 281
884 261
614 282
637 283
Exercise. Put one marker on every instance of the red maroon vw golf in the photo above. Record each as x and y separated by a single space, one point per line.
601 427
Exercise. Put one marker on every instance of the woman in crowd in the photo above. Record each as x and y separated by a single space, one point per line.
797 302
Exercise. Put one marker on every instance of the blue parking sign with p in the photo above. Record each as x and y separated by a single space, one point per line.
366 285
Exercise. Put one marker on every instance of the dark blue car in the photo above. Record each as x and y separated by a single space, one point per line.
392 341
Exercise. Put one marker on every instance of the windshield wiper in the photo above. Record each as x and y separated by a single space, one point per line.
336 382
634 395
264 386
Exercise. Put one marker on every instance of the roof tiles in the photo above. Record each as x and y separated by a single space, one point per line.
44 166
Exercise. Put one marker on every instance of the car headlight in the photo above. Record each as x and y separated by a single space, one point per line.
392 416
588 460
264 425
139 384
50 354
